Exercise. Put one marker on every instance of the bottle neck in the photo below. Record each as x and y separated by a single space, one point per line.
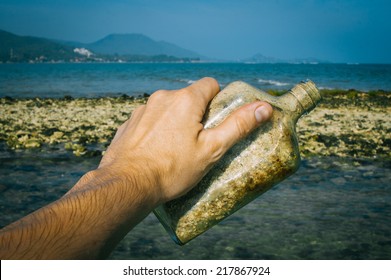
306 96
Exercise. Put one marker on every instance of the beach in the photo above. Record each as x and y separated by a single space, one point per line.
345 124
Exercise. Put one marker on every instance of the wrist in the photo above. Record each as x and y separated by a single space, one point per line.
125 181
136 179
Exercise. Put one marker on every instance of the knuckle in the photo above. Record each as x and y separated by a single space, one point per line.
160 92
211 81
184 95
215 149
215 153
157 96
242 126
184 92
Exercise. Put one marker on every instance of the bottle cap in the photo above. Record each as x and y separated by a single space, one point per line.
307 94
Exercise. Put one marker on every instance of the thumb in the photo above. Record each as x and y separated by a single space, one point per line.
239 124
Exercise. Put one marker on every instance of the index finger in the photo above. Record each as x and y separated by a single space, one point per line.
204 90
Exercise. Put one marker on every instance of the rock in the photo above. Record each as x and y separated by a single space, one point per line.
32 143
56 137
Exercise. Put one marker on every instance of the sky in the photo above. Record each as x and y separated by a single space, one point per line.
351 31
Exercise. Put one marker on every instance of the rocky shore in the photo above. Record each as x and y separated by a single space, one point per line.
346 124
82 126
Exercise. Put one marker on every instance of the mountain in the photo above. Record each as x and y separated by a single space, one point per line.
114 47
137 44
26 48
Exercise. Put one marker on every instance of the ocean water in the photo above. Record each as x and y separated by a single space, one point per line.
331 208
96 80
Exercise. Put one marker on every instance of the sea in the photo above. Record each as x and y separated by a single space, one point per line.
331 208
134 79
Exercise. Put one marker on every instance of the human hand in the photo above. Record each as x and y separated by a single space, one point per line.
165 144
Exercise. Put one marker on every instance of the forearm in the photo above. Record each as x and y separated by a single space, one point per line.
87 222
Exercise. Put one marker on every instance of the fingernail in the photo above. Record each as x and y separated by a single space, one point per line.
262 113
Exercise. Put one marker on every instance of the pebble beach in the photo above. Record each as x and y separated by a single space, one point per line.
347 123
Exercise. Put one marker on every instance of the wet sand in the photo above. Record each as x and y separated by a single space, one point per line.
345 124
348 124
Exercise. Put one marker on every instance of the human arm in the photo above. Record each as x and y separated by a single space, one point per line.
160 153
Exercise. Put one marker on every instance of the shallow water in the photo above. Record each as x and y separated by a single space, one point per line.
330 209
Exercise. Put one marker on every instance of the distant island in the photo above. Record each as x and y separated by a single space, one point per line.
112 48
260 58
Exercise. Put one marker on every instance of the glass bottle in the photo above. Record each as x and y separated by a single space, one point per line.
251 167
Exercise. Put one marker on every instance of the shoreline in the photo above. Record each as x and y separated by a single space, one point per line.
347 123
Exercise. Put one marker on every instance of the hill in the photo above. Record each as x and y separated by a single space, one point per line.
137 44
114 47
16 48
